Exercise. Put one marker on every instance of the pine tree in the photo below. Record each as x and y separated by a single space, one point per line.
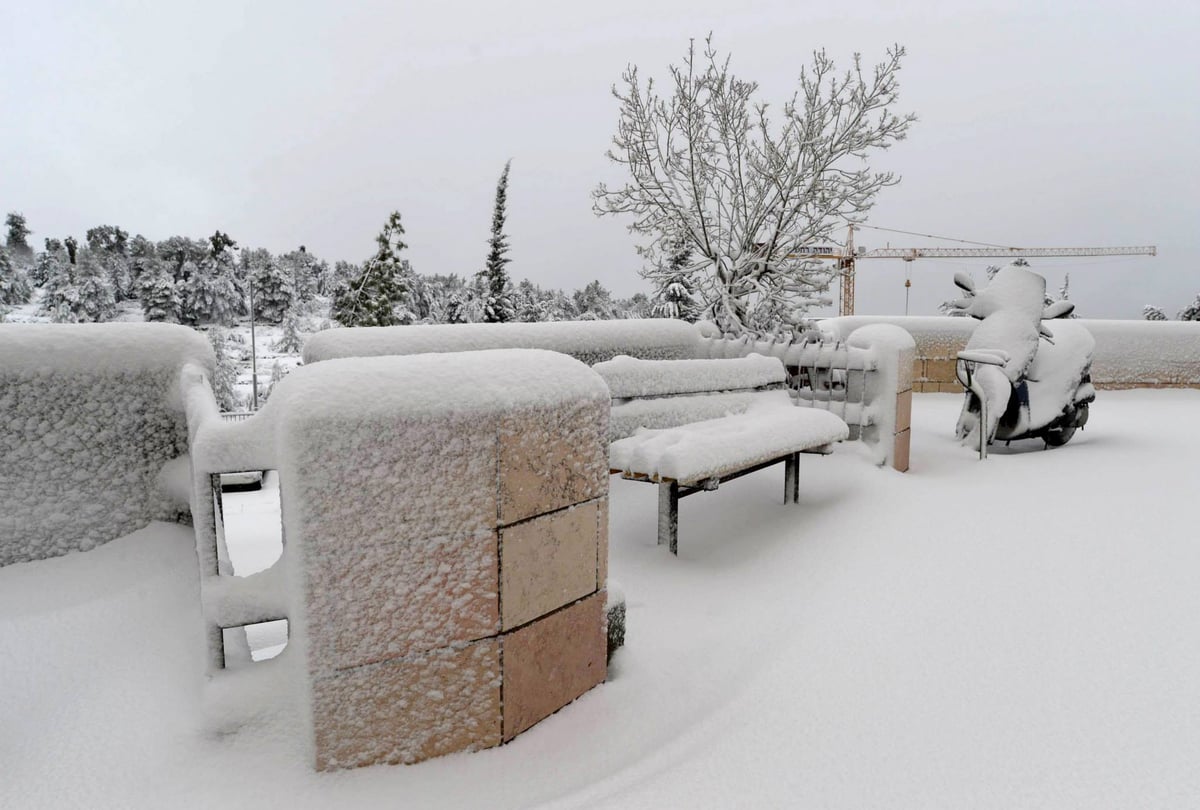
291 340
224 380
1191 312
76 290
277 374
97 298
212 293
594 302
373 297
1153 313
498 306
675 293
17 240
274 293
157 293
14 285
110 246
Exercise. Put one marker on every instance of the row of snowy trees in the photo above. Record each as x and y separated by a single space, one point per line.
1189 313
211 282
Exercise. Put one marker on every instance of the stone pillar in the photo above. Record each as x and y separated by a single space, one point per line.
446 521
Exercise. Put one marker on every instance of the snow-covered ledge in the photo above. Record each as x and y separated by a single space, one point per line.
92 432
445 525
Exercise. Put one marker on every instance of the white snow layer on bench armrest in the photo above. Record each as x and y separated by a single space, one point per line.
629 377
717 447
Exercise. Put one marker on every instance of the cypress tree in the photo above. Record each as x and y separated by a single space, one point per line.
498 306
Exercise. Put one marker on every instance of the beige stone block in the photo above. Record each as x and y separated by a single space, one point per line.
918 370
549 663
551 458
900 450
548 562
380 602
940 370
953 387
903 410
409 709
602 545
408 478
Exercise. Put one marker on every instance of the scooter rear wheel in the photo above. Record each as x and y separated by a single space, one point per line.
1059 437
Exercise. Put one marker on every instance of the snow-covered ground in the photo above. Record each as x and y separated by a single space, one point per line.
1019 632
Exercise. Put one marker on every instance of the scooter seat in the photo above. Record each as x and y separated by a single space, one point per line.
988 357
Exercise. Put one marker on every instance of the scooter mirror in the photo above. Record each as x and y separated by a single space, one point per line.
1059 309
964 282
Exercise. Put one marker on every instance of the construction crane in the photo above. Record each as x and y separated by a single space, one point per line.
849 256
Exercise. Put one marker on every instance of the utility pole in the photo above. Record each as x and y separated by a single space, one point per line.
253 353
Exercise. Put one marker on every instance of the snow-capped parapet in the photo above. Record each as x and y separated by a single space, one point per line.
89 416
888 392
589 341
439 510
1129 353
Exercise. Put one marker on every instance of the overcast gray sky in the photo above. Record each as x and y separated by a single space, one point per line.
295 122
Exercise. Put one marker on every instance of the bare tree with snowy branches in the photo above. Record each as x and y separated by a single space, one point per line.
708 164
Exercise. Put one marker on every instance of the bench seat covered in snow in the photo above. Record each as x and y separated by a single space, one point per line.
663 428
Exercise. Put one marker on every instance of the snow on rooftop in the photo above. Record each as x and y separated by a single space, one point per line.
892 641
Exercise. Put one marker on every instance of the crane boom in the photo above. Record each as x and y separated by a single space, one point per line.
846 259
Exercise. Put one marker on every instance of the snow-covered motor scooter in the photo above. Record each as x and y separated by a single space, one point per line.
1023 380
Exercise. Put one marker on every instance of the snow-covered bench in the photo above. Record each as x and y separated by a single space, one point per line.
691 425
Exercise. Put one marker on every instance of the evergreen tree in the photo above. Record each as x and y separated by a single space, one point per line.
60 288
212 293
97 298
224 380
14 285
17 240
1153 313
304 273
274 293
1191 312
291 340
277 374
157 293
110 246
373 297
47 262
498 306
594 302
675 295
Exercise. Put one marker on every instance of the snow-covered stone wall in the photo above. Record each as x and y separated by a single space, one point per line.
90 417
589 341
446 537
1129 354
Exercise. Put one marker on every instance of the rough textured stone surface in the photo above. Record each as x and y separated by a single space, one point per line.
409 709
376 602
409 478
551 458
548 562
552 661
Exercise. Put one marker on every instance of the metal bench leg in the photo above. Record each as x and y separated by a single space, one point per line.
791 479
668 515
